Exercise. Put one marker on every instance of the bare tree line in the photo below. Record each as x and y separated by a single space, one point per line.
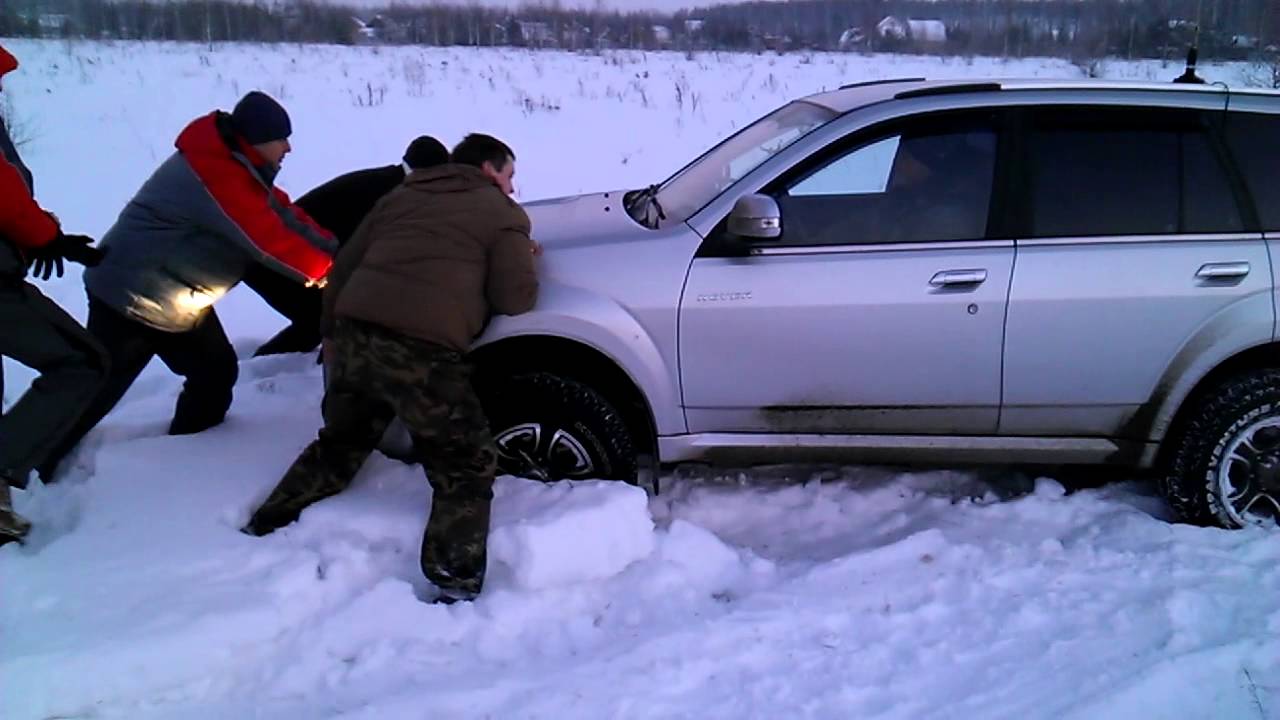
1223 29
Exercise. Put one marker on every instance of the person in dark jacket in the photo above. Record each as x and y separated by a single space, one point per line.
406 299
207 214
339 206
36 332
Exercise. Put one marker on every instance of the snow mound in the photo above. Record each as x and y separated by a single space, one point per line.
693 560
554 535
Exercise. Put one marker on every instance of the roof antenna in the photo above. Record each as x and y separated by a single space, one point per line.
1189 77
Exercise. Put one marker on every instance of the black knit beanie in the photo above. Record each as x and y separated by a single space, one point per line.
424 152
260 119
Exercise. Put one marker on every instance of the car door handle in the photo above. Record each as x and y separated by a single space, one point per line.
1223 271
950 278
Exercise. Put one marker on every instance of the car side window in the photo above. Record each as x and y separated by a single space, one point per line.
1209 205
1126 171
864 171
1254 140
929 183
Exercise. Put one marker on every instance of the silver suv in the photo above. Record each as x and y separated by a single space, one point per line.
1005 272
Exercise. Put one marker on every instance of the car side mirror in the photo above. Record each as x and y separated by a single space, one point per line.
755 217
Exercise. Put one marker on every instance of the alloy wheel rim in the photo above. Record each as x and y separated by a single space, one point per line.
1249 475
545 453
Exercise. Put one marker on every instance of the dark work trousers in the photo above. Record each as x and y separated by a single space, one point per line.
298 303
73 366
202 355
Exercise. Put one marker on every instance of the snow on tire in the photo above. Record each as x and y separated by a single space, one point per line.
1225 467
552 428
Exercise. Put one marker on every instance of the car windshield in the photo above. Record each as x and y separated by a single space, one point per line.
689 190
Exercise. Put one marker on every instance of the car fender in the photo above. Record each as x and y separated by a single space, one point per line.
601 323
1239 327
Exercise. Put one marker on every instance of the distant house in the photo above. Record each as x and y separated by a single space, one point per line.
361 33
852 37
694 27
661 35
895 28
929 31
773 42
498 34
921 31
53 24
575 36
536 34
385 30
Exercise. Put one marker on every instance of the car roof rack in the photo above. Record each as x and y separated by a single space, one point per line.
948 90
885 81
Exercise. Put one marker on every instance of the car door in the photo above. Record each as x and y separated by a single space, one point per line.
1137 263
880 309
1252 132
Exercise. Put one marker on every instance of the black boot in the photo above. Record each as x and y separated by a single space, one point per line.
267 519
13 527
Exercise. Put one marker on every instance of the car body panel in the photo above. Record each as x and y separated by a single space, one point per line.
1096 327
1106 338
845 340
626 311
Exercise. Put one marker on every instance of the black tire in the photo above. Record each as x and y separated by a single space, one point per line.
570 419
1192 482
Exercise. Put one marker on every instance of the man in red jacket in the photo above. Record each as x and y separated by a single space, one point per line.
195 227
36 332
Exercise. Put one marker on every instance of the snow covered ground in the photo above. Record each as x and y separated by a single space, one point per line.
796 592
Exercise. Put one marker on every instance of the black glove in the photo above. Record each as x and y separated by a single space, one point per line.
76 248
44 261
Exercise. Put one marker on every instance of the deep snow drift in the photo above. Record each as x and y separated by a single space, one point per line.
787 592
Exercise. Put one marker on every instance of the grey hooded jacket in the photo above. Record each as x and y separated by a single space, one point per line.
199 222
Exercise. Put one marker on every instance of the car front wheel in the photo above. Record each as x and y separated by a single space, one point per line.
551 428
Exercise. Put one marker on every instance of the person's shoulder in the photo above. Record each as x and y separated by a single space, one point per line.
381 172
359 178
506 211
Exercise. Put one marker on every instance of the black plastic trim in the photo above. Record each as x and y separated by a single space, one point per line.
949 90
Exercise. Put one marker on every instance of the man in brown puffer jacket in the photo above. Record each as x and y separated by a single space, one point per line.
405 299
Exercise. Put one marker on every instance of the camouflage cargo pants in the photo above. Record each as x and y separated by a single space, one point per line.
374 376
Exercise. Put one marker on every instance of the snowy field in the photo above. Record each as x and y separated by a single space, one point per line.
792 592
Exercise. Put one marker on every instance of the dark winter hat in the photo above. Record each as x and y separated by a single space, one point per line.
260 119
424 152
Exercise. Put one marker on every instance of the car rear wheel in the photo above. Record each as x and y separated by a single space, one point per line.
1225 466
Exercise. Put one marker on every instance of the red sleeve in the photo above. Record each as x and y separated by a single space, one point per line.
21 219
301 214
267 222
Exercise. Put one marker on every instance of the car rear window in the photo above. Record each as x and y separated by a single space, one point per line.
1126 171
1254 139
